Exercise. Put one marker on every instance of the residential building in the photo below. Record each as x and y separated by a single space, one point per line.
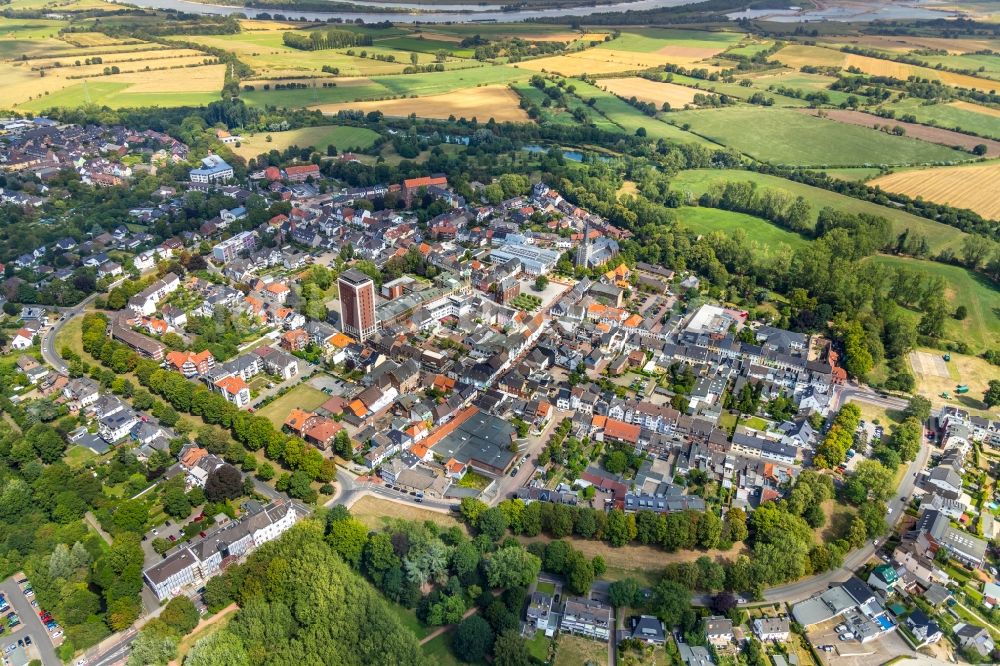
213 169
587 617
229 249
357 304
772 628
719 631
235 390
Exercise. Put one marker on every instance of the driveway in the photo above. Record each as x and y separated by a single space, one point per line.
32 625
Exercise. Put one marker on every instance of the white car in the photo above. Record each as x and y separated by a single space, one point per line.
57 633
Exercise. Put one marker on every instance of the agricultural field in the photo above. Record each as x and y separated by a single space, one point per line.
807 83
854 174
497 102
631 119
650 91
696 182
339 136
707 220
563 116
973 118
981 328
972 187
797 56
940 136
385 87
906 43
987 66
782 136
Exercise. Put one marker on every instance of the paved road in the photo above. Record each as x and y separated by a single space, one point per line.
49 351
32 625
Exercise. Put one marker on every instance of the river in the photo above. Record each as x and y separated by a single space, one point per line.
428 14
410 11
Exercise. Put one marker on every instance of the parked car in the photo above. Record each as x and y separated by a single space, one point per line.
27 640
840 627
57 634
172 537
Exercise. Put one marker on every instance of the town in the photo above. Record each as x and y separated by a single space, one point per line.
409 344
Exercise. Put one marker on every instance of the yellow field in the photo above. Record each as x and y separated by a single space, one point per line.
904 43
976 108
69 61
497 102
610 61
251 25
972 187
650 91
87 39
797 56
208 78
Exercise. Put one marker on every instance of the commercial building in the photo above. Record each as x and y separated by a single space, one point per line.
534 260
357 304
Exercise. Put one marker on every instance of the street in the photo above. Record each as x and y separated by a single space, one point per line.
49 352
32 624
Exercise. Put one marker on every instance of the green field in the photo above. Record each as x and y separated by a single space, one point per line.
381 87
561 116
340 136
648 40
784 136
751 49
939 236
117 96
981 329
424 45
707 220
302 396
805 82
857 173
736 90
630 119
990 64
949 117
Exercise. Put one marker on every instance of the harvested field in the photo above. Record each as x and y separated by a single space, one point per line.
924 133
976 108
905 43
650 91
188 79
497 102
689 52
606 61
972 187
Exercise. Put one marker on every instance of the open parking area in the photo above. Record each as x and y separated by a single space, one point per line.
29 638
853 652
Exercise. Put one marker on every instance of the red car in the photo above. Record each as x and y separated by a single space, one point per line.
172 537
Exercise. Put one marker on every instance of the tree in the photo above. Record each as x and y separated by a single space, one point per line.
131 516
723 602
624 593
152 649
473 639
992 395
541 282
492 523
510 650
348 538
176 503
265 471
223 483
180 615
918 408
512 566
670 601
222 647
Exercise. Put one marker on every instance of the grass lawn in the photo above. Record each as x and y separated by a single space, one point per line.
855 173
408 617
474 480
756 423
981 328
438 651
784 136
872 413
577 651
342 137
707 220
71 335
962 369
302 396
546 587
939 236
78 456
538 646
375 512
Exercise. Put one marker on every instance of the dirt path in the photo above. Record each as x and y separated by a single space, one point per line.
448 627
195 634
92 521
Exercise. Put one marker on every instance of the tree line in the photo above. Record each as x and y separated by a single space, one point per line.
331 38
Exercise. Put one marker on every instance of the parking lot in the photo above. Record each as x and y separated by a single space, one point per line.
853 652
29 638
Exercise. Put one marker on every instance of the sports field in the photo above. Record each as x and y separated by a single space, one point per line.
342 137
696 182
497 102
707 220
973 187
782 136
650 91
